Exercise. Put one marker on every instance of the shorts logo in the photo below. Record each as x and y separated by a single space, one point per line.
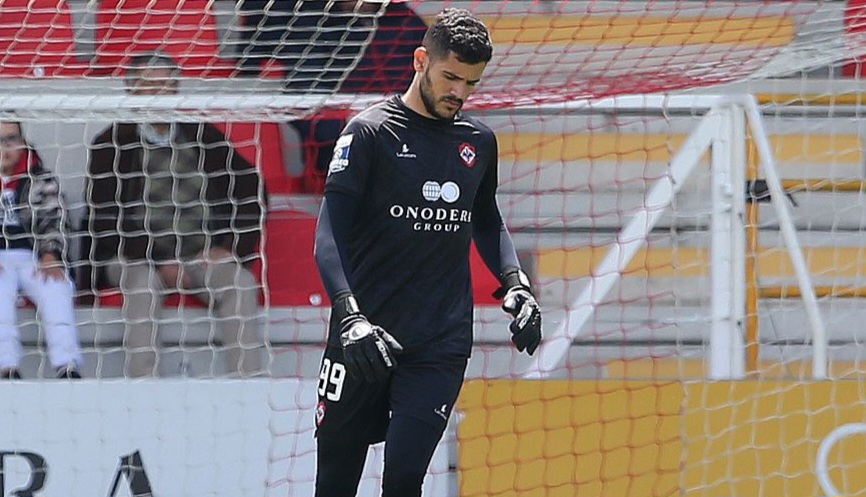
467 154
320 413
340 159
442 411
448 191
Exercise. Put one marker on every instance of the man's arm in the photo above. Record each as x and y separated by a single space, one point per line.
332 232
491 237
368 350
100 240
240 224
496 248
48 214
102 193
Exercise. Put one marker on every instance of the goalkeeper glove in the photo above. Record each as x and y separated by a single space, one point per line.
368 350
518 301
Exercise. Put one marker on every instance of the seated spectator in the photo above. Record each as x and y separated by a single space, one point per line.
386 65
313 41
383 65
350 46
265 35
173 208
32 246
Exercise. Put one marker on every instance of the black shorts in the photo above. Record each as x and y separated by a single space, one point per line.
352 409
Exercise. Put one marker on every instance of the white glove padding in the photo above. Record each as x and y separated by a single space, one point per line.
517 300
368 350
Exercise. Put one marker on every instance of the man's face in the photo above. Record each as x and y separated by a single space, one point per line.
153 81
446 83
11 147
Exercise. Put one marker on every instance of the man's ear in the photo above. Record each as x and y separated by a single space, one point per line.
421 59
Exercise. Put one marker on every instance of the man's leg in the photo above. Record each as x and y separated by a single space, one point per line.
233 292
423 394
409 449
351 414
53 299
10 341
338 467
143 295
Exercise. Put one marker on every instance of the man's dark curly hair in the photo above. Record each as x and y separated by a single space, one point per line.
458 31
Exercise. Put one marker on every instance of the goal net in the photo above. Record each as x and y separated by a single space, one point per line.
682 179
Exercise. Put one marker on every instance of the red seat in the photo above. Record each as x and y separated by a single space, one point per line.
292 277
183 29
855 36
37 39
483 281
262 144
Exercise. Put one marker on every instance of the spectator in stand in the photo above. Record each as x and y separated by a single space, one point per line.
350 46
172 207
32 248
314 41
363 46
265 34
386 64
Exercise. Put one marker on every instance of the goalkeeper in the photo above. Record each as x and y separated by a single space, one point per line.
411 183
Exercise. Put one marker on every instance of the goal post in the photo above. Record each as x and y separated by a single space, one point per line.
723 133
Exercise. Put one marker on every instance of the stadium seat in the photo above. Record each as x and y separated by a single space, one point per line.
183 29
855 31
37 39
269 147
483 281
292 277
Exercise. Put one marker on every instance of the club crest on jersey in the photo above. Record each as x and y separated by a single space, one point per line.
340 159
467 154
320 413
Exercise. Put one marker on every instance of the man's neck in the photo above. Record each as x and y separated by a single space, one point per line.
156 133
412 99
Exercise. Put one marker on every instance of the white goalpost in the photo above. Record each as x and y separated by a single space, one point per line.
723 132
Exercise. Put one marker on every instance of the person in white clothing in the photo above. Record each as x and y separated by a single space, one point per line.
32 244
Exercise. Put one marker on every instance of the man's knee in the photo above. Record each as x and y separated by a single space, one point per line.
234 287
338 467
400 482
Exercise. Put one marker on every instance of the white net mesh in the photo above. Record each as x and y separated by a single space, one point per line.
628 411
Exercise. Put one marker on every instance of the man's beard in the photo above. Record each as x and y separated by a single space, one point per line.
427 98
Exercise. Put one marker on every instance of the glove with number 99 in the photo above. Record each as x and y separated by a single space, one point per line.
518 301
368 350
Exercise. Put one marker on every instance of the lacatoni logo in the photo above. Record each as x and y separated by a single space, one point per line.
434 218
405 153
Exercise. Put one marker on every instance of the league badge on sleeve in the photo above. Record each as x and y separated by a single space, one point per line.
340 159
467 154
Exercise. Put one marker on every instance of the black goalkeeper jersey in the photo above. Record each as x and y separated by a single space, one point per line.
420 186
